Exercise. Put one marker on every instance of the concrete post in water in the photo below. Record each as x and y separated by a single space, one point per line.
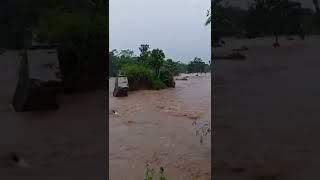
121 87
39 80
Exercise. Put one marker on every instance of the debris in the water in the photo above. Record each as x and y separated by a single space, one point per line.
115 112
267 177
232 56
18 160
194 117
182 79
276 44
23 163
242 48
131 122
14 157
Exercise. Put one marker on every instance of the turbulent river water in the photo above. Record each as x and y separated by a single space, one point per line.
157 127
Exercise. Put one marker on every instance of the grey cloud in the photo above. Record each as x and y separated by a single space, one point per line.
176 26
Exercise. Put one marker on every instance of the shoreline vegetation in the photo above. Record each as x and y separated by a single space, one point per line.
78 29
261 19
150 70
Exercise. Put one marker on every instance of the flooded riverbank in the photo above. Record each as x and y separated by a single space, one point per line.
68 143
157 127
266 110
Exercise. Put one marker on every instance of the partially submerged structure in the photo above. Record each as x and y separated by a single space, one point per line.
121 87
39 79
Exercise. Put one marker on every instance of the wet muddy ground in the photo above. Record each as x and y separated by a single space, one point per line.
157 127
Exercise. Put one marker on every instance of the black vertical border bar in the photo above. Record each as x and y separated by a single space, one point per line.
106 99
212 66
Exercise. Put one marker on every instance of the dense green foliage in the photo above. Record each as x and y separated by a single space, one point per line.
197 65
57 26
276 18
117 60
140 77
171 66
78 27
55 20
82 33
150 69
166 76
181 67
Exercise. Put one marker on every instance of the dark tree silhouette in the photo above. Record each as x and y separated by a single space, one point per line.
276 17
317 9
316 6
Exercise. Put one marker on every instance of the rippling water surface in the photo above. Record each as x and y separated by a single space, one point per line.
157 127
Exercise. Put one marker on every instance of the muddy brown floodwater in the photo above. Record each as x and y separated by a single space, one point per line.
64 144
267 110
157 127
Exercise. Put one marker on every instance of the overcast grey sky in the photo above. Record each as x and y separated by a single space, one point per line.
176 26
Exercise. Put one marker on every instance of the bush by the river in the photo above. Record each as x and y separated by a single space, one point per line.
150 70
167 78
140 77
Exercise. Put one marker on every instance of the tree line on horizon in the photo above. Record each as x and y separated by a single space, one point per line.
155 60
263 18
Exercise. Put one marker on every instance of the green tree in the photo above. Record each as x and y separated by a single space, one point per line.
181 67
276 17
113 63
196 65
219 19
126 53
171 66
208 17
144 53
156 60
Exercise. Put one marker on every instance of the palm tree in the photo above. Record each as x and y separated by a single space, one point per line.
219 22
